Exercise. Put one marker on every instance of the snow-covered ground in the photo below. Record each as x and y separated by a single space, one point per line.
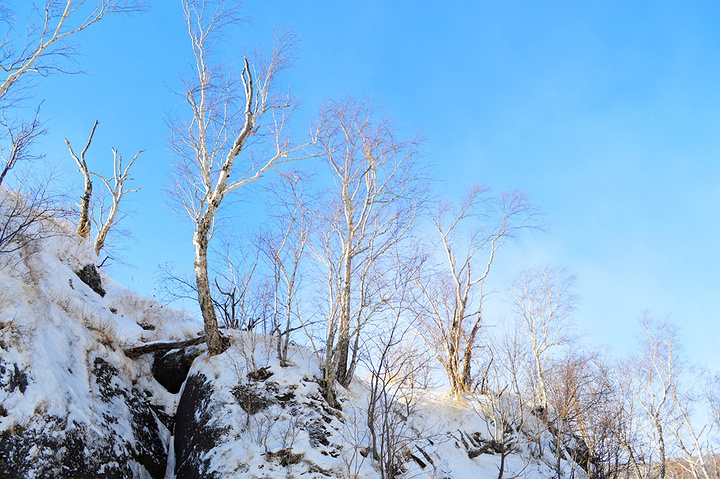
73 404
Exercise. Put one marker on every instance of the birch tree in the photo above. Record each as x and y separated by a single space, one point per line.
285 247
544 303
84 223
214 142
695 437
450 291
376 195
108 217
40 48
644 390
656 372
105 219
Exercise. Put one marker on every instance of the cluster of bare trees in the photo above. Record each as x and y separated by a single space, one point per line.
342 258
356 256
644 417
41 47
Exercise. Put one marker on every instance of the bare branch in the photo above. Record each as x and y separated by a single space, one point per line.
44 46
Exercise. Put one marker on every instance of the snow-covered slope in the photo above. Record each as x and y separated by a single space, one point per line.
237 418
71 403
74 404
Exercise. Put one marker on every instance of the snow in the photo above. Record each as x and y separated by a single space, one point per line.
255 444
53 327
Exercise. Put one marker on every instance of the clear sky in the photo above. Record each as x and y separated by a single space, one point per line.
607 113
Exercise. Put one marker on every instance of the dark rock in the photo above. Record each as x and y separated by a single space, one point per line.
18 379
149 450
318 434
260 374
286 456
124 434
195 430
171 369
49 447
90 276
252 399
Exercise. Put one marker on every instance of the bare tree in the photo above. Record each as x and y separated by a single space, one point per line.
656 371
285 248
375 199
393 364
578 390
544 304
627 427
104 221
84 223
449 306
42 49
644 390
218 132
693 435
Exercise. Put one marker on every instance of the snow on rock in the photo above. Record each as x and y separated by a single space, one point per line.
242 414
74 405
71 403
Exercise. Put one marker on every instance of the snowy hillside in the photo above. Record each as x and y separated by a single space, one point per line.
79 400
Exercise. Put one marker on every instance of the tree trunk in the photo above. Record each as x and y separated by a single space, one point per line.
661 446
466 369
343 345
215 341
84 226
501 467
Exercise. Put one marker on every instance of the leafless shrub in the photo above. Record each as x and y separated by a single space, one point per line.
500 402
23 216
392 399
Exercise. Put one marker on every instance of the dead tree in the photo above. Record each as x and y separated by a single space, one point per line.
84 223
104 221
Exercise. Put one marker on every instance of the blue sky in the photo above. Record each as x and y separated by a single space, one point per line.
607 113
